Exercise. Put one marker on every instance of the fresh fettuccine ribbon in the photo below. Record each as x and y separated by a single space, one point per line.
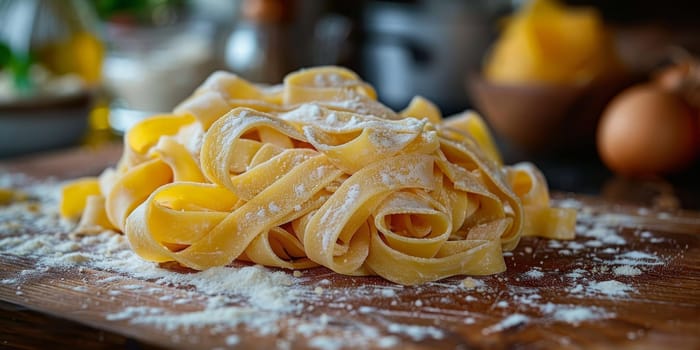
317 172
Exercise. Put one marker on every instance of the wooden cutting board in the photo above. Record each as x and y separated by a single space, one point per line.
635 284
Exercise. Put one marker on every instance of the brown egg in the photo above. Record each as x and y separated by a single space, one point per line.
647 131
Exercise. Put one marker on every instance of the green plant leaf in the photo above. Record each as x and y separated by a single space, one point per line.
5 55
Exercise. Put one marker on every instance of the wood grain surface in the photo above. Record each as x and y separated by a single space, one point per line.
662 309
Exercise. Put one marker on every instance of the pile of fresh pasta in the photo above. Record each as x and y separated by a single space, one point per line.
316 172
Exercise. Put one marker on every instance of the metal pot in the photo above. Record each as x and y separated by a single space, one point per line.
425 48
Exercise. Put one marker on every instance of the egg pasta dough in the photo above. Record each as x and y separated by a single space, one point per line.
316 172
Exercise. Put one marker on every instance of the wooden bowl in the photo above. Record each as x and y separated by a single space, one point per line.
31 125
544 119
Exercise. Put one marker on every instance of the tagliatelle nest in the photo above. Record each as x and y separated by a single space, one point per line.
317 172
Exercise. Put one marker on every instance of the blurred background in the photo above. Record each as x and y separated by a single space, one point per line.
561 83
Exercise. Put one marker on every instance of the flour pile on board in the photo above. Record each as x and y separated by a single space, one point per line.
610 288
627 270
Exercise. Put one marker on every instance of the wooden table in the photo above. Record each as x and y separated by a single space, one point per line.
661 310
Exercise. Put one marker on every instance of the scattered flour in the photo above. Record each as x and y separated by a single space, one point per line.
232 340
416 333
576 289
133 312
575 246
554 244
508 322
387 342
502 304
626 270
132 286
603 234
534 274
326 343
610 288
386 292
578 314
226 316
568 203
637 258
577 273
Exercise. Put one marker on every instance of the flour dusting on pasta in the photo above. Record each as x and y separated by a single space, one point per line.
314 172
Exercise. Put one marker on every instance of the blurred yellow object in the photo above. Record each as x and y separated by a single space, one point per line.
9 196
551 43
99 116
81 54
6 195
74 196
89 54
